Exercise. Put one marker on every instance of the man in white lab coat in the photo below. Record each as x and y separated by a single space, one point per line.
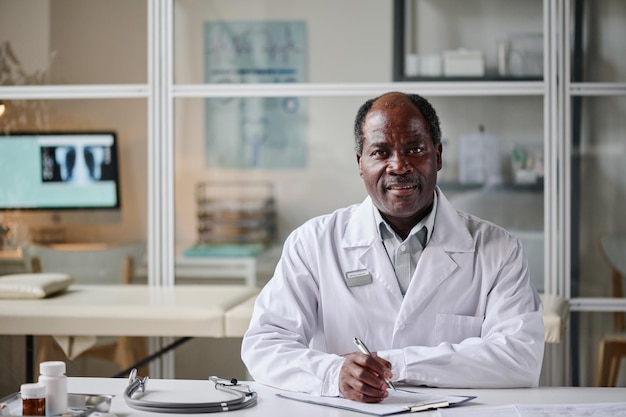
450 305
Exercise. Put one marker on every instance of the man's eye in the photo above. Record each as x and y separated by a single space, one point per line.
380 153
415 150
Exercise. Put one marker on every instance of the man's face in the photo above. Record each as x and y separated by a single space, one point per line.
399 163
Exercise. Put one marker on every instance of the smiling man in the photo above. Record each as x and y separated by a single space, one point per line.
441 298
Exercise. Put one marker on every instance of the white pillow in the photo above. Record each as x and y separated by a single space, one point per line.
38 285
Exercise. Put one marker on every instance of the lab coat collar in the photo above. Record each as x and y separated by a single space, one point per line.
450 235
362 241
361 229
449 231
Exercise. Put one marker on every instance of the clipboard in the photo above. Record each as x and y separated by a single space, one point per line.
400 401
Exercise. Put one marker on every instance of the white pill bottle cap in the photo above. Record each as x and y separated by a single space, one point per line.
52 368
33 390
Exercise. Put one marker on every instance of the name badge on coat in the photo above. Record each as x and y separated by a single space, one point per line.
359 277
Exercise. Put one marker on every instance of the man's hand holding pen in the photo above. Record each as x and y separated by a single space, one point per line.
362 377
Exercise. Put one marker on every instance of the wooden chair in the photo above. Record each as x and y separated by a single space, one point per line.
90 264
613 346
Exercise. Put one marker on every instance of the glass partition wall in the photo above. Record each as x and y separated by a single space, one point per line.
595 155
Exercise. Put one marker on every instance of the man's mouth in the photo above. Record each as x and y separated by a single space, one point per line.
402 184
410 186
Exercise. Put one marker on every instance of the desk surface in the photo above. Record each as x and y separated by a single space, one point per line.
125 310
271 405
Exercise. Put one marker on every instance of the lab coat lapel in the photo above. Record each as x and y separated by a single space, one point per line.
362 237
436 265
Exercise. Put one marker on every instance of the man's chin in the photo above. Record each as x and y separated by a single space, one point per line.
399 209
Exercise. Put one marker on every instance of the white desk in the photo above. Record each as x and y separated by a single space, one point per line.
125 310
269 405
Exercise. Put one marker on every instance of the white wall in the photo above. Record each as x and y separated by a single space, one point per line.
30 40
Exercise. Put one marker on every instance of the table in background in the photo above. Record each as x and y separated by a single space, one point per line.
126 310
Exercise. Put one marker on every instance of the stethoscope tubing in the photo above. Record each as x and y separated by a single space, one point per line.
243 399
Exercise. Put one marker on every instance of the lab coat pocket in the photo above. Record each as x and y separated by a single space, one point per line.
454 328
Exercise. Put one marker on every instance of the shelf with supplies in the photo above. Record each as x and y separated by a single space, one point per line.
236 226
235 213
491 41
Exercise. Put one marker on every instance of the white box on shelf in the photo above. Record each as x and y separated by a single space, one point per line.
463 63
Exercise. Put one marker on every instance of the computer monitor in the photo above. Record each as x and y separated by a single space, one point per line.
59 171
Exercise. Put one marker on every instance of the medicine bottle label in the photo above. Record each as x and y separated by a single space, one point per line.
34 406
33 399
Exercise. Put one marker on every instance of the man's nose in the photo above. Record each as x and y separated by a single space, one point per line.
398 163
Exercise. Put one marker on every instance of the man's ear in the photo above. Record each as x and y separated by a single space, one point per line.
358 162
439 148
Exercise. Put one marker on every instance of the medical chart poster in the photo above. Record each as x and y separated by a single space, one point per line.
255 132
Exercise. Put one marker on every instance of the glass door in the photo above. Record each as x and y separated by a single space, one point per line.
596 98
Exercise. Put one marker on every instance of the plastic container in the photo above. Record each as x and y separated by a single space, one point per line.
33 399
53 377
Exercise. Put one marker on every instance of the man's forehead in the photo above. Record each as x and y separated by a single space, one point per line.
394 103
379 119
375 118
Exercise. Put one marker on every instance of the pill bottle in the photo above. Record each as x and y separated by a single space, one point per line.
52 375
33 399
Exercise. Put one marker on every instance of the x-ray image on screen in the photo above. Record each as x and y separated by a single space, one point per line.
59 170
76 164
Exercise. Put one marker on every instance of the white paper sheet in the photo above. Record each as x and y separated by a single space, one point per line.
540 410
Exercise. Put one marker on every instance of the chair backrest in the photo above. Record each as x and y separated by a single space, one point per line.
87 264
614 251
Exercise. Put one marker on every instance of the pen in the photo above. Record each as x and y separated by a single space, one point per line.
366 351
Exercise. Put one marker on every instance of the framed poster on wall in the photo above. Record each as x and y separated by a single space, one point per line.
255 132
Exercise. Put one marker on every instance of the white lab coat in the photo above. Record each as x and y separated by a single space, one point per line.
470 317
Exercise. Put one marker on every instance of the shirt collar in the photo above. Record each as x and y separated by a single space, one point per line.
385 230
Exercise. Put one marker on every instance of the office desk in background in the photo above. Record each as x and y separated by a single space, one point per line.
269 405
129 310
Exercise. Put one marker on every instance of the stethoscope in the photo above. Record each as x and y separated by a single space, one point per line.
244 397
